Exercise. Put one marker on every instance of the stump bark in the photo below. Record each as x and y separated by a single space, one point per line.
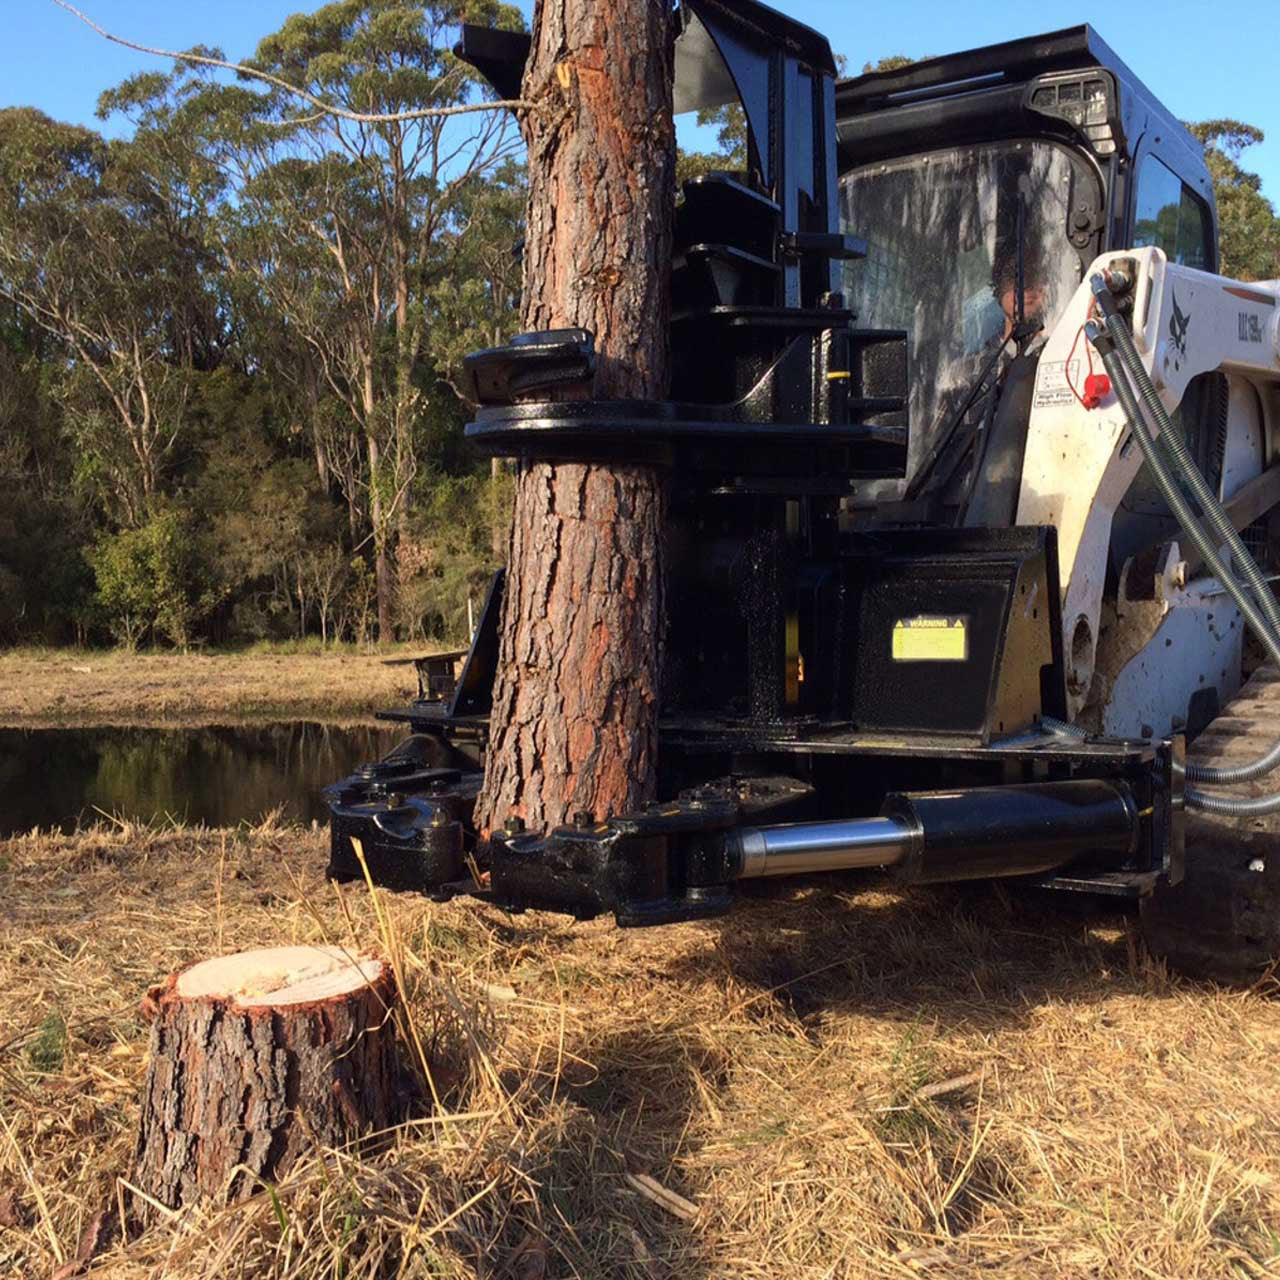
256 1057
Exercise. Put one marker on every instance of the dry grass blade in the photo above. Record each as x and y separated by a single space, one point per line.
662 1196
45 1220
954 1085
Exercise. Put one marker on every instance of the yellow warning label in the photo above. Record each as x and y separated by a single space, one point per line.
930 639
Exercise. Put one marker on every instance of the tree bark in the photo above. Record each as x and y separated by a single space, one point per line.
256 1057
574 725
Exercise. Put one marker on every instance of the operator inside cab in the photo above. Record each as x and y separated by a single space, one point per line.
950 233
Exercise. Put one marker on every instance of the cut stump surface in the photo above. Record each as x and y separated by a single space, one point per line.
255 1058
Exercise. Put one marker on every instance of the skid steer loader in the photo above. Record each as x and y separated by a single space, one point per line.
973 493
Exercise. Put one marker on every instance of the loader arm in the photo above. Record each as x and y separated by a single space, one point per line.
1080 461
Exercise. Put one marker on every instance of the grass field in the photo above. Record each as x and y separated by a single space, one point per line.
846 1082
115 687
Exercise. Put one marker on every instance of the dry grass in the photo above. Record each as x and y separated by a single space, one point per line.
115 687
776 1070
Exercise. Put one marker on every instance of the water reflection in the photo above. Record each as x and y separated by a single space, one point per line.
220 776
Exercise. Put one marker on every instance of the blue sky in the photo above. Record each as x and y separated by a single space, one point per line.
1202 61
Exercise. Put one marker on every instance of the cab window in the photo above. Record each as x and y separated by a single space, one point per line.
1170 216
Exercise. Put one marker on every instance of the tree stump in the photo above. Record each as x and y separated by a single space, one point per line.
256 1057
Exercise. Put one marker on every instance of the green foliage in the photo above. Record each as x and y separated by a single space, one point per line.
475 302
893 62
230 343
46 585
149 581
47 1052
102 250
1249 230
730 123
908 1117
458 540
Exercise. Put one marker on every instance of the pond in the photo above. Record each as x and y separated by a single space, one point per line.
220 776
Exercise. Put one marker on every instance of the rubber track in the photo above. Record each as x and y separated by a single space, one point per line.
1223 920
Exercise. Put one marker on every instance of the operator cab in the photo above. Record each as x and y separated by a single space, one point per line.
985 183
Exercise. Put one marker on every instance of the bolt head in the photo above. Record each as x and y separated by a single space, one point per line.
1257 865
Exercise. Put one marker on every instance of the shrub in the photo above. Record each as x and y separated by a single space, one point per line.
451 555
149 581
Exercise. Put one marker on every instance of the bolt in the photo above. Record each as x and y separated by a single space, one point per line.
513 826
583 818
1257 865
440 816
394 799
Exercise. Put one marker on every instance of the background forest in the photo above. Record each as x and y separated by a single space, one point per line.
231 407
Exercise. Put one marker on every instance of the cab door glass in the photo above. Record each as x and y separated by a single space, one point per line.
1170 216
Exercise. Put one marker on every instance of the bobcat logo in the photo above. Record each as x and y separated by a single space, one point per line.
1178 323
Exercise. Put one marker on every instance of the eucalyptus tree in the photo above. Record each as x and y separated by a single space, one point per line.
477 304
94 252
349 229
1249 227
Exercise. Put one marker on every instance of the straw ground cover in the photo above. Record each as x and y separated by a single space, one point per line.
840 1082
115 687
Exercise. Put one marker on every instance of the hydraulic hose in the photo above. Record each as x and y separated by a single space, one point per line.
1229 805
1171 491
1061 727
1170 441
1232 806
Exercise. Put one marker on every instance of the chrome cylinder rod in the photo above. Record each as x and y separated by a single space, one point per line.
802 847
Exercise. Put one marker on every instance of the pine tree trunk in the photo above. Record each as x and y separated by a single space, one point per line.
575 705
255 1058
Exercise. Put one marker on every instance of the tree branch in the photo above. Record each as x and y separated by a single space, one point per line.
326 108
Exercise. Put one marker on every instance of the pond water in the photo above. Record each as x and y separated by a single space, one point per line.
220 776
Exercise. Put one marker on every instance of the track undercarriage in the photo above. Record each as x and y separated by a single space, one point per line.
1223 919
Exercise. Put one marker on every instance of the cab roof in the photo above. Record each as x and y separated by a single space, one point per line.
877 112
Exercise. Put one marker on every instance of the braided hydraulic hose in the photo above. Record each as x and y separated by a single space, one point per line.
1233 806
1061 727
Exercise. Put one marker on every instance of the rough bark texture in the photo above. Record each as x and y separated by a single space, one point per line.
575 705
233 1084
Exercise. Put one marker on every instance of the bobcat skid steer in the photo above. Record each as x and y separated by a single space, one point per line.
973 492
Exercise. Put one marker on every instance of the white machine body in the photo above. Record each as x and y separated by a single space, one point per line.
1135 660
